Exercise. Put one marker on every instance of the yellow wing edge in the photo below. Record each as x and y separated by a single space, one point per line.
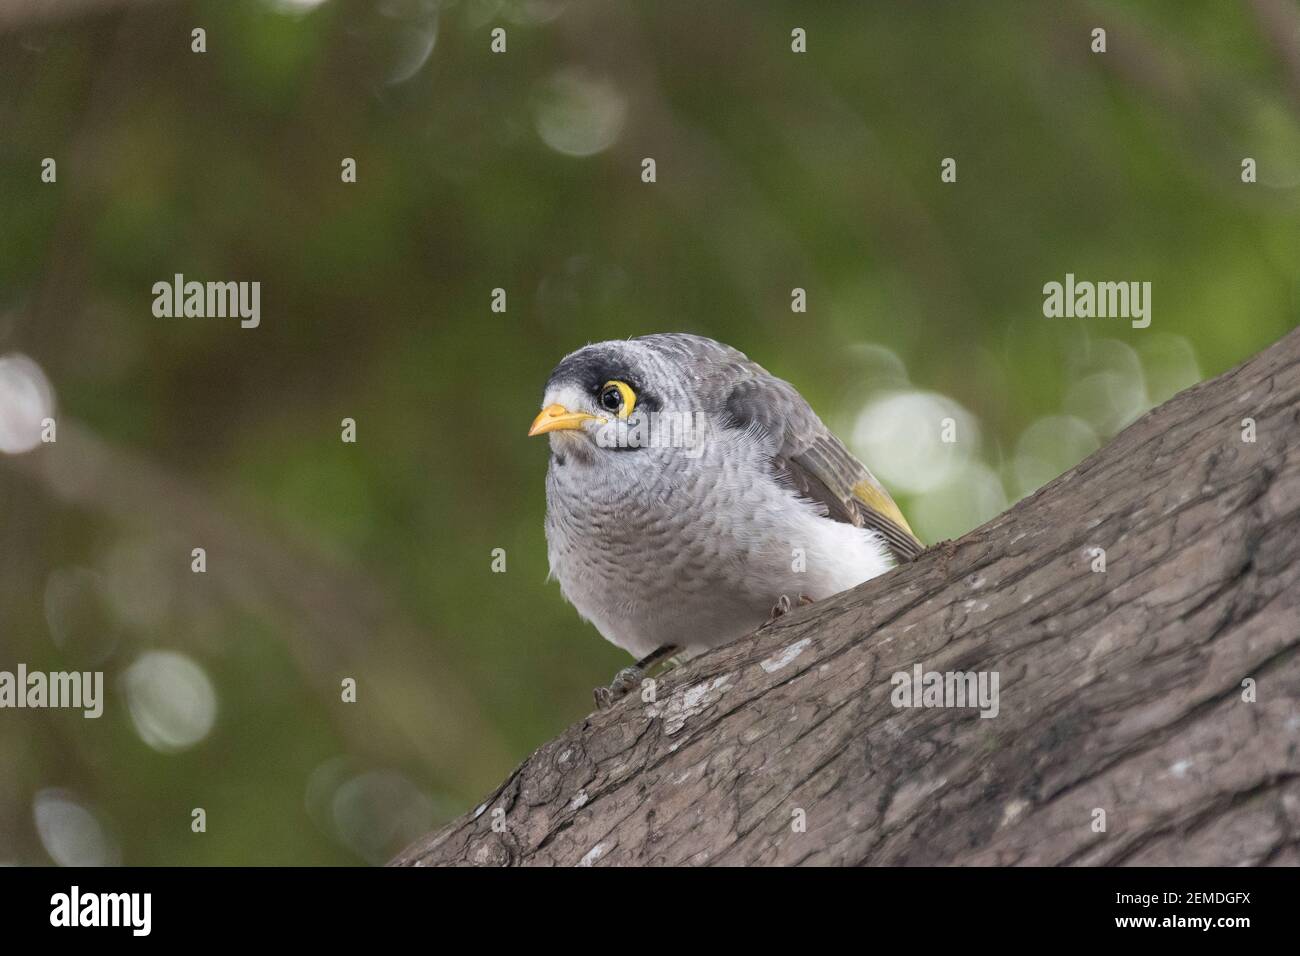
877 498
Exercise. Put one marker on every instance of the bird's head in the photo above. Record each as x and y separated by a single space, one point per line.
619 398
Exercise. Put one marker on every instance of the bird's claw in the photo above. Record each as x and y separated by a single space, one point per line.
783 606
618 688
779 610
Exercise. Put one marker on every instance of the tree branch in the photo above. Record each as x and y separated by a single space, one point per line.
1120 691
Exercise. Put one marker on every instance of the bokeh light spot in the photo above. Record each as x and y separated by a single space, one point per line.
1050 447
380 812
900 435
172 702
578 114
26 399
70 833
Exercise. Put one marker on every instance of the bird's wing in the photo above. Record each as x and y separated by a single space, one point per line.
809 458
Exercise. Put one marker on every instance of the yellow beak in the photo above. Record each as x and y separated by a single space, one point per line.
557 418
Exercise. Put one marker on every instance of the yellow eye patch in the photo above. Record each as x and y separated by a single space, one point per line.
617 397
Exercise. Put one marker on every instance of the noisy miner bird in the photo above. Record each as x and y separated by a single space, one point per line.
692 496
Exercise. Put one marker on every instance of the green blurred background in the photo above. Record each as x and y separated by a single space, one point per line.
521 171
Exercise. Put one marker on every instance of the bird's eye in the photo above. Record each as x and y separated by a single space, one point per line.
617 397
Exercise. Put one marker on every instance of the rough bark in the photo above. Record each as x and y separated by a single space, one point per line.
1120 690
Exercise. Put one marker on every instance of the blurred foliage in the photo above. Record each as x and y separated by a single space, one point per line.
522 171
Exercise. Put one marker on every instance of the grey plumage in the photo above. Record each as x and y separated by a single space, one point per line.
816 463
670 542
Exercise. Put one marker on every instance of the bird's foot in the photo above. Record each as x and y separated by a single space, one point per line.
780 609
783 606
630 677
623 682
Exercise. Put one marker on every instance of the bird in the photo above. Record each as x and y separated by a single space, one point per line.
693 497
